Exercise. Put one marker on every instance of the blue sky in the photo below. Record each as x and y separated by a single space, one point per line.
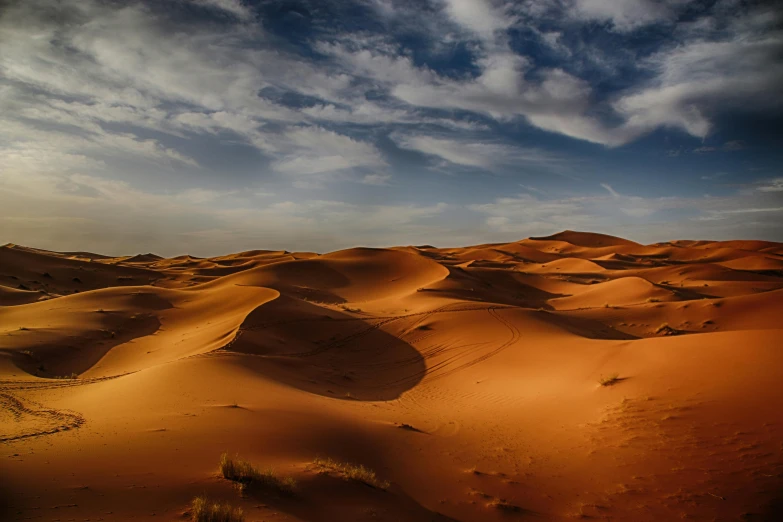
210 126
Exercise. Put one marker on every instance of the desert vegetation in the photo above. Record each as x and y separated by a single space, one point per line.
247 476
350 471
609 380
203 510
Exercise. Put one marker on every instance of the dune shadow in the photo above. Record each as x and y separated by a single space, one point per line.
584 327
326 498
328 352
6 497
76 355
772 511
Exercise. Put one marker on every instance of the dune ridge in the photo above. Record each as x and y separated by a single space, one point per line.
572 376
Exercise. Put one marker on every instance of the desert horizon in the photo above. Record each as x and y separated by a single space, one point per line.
573 376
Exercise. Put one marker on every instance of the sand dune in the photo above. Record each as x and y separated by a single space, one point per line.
621 291
569 265
468 378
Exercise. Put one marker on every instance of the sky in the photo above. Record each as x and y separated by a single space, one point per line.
216 126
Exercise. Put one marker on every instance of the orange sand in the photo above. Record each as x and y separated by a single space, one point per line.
464 376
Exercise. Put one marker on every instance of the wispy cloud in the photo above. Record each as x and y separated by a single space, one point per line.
488 156
624 215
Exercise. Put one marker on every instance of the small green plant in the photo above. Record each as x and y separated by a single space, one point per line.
248 476
350 471
609 380
202 510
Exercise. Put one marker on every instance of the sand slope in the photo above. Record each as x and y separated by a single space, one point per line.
466 377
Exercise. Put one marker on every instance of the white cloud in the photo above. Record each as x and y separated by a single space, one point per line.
479 16
314 150
235 7
610 190
473 153
380 180
772 185
707 75
510 218
81 211
626 15
555 101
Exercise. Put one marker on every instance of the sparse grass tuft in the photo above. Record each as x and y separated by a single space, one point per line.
350 471
665 329
653 300
609 380
248 476
503 505
352 310
202 510
71 376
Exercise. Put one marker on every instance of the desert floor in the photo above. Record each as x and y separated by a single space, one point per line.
469 378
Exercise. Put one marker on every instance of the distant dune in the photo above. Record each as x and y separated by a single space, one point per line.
573 376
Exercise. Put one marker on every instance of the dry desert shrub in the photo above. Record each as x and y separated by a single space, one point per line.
350 471
246 475
202 510
609 380
503 505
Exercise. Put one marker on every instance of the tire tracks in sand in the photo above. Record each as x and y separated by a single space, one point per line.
23 418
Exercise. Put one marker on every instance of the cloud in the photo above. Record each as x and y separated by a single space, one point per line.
610 190
551 99
736 67
481 17
714 65
626 15
772 185
66 212
651 219
235 7
314 150
380 180
734 145
472 153
714 215
193 112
